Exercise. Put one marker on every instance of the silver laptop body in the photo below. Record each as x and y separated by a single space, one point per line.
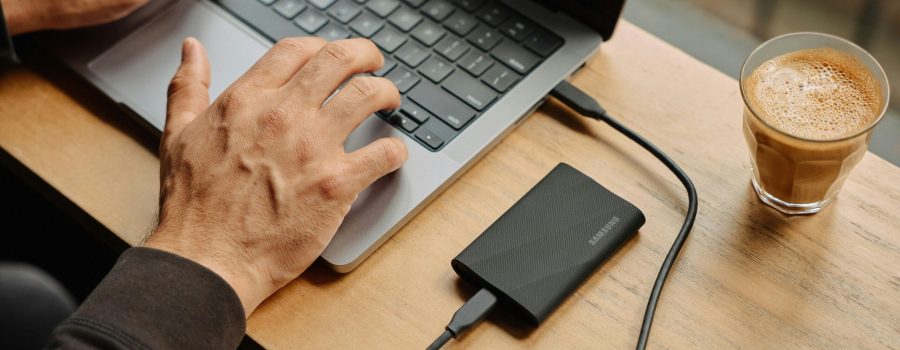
132 61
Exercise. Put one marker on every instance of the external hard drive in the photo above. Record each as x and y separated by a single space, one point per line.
549 242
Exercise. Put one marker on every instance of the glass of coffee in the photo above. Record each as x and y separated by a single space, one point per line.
811 101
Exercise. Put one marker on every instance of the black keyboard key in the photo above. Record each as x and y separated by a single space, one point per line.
429 138
405 19
485 38
311 21
389 39
494 14
428 33
386 114
389 63
470 90
517 28
500 77
438 10
442 105
476 62
332 32
515 57
366 25
543 42
452 47
469 5
412 54
321 4
403 78
414 111
436 69
289 8
344 11
403 122
415 3
383 8
461 23
261 17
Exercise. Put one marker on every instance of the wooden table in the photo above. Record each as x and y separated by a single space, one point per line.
747 278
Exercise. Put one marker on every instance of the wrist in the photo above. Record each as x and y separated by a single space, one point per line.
241 276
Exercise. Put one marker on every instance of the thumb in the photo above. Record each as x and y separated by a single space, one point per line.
189 89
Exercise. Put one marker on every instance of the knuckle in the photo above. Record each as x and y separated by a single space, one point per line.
292 45
392 151
332 185
239 90
230 101
178 82
338 52
305 148
364 88
274 121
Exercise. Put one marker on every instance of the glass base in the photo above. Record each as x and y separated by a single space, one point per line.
789 208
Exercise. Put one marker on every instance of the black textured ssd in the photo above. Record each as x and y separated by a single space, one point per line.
549 242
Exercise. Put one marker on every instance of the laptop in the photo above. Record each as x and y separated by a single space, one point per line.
469 71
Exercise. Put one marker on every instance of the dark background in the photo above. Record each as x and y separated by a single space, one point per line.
37 232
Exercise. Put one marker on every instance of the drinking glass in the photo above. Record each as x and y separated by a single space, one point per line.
798 175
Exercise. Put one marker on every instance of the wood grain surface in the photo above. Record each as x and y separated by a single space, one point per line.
748 276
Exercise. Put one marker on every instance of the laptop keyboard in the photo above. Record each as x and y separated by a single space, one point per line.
450 59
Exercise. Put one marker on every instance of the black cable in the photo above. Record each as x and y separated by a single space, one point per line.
588 106
468 315
440 341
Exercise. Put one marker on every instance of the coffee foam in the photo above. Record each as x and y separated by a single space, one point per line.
817 94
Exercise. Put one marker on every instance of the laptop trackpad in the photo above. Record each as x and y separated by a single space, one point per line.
140 66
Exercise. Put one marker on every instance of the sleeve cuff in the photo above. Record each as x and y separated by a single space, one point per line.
157 300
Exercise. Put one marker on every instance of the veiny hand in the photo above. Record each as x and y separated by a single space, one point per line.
255 186
23 16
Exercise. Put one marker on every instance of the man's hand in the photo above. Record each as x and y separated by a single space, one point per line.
255 186
23 16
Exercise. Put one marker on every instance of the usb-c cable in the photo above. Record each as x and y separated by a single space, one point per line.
472 312
587 106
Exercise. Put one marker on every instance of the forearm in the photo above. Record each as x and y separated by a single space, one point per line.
155 300
24 16
19 17
7 52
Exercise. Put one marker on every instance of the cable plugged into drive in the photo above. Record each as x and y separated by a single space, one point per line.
556 236
470 314
540 250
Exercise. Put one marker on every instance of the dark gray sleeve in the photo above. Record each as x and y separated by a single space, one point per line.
155 300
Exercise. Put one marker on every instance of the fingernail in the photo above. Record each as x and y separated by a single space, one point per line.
187 48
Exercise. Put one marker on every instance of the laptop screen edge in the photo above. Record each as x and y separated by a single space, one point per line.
600 15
